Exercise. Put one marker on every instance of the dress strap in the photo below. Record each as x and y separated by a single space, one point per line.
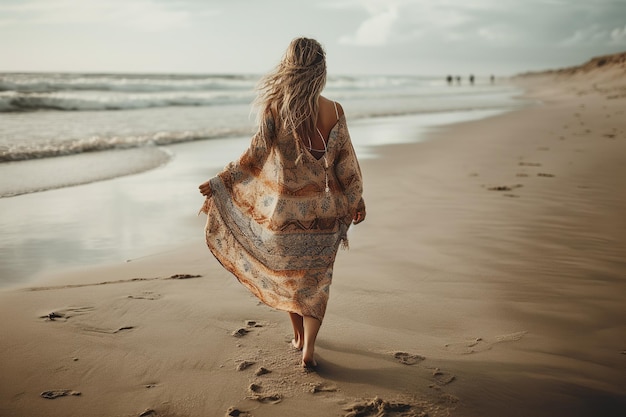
336 111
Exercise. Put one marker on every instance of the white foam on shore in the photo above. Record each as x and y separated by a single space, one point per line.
30 176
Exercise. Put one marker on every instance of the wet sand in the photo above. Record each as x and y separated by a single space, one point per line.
487 280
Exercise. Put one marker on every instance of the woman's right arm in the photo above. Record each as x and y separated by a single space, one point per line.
249 163
205 188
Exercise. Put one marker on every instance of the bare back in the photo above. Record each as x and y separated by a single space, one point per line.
329 114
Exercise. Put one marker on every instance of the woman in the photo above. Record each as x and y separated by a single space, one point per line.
278 214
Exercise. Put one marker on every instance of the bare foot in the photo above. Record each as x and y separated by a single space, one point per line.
308 360
309 364
298 344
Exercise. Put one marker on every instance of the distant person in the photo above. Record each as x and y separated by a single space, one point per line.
492 79
449 79
471 79
277 215
458 79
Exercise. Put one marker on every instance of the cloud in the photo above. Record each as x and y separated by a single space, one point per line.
596 35
400 21
141 15
531 23
374 31
498 34
618 36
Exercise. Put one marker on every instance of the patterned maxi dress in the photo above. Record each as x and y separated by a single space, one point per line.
273 223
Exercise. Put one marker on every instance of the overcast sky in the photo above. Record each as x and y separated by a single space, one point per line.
421 37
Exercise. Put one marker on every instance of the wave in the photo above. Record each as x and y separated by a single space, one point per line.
52 148
76 92
130 83
35 176
75 118
12 101
146 83
73 101
84 92
47 149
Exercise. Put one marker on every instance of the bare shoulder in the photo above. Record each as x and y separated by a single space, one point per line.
328 106
339 109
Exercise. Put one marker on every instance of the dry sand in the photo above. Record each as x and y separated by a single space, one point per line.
488 280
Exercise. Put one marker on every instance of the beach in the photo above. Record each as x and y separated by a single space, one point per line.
487 280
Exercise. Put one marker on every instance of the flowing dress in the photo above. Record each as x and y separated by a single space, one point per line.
277 216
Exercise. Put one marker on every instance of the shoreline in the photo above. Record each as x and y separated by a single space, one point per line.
38 174
144 199
487 279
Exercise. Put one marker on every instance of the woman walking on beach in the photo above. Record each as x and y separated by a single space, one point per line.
277 215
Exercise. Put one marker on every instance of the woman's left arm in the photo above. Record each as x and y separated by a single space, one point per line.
348 173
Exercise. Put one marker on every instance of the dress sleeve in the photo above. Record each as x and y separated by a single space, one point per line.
251 162
348 174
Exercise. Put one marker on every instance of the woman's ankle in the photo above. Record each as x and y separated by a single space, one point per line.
308 353
308 362
297 343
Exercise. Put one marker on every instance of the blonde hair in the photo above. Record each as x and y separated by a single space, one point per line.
291 91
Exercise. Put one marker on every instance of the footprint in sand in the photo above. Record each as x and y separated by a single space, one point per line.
273 398
244 330
442 377
447 399
511 337
257 391
66 313
468 346
106 331
262 371
480 345
240 332
184 276
500 188
244 365
52 316
380 407
56 393
505 187
322 387
145 295
255 388
408 358
235 412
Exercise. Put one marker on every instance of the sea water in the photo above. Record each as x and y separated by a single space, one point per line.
61 130
57 115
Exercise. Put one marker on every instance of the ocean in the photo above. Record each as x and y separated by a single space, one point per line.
70 142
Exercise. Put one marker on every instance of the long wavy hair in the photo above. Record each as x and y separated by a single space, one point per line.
291 91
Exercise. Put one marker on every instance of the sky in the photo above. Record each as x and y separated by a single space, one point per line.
407 37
